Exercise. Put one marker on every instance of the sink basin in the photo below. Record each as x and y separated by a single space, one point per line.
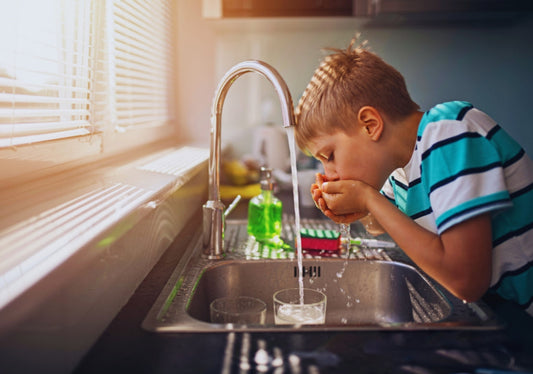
362 293
358 292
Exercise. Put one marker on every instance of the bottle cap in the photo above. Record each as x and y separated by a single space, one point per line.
266 178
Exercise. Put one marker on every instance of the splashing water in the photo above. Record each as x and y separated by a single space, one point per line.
346 237
292 151
346 245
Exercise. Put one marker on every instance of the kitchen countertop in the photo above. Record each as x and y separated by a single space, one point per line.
125 347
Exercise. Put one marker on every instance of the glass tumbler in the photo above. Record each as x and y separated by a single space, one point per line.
290 308
243 310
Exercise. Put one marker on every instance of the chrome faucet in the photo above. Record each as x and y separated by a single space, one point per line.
213 209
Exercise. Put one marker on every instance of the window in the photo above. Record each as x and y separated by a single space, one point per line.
143 71
82 78
44 71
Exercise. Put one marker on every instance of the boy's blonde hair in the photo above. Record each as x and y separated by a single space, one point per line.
345 81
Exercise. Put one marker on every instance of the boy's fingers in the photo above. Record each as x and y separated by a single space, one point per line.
331 187
322 205
335 218
317 204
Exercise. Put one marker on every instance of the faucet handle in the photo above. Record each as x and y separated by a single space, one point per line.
232 205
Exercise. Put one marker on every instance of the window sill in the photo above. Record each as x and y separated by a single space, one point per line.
46 223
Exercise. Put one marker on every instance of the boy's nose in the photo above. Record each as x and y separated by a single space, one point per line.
330 173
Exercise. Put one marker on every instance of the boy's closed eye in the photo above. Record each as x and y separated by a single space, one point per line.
328 157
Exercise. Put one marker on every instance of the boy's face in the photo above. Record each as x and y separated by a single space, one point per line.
349 157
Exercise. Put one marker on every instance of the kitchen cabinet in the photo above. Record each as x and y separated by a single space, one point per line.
276 8
383 7
357 8
282 8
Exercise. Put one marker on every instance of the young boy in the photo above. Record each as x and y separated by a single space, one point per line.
450 187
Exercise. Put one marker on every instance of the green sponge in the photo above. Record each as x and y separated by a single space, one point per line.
317 239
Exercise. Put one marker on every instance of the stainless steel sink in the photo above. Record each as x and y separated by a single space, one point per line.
358 292
361 294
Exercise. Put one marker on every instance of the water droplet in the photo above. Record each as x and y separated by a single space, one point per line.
261 357
294 360
278 357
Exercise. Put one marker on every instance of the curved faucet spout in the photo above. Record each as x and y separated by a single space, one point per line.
213 208
287 110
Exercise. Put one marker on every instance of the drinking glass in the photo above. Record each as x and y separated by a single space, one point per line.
291 309
244 310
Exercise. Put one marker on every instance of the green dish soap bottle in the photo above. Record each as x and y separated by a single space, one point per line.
264 211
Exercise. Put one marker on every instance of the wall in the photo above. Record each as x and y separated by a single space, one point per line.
488 65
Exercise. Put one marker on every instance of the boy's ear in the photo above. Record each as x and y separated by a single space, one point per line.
371 122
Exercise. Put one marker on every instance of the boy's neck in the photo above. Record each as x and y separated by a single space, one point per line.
408 134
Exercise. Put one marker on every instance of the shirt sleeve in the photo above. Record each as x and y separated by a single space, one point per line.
462 173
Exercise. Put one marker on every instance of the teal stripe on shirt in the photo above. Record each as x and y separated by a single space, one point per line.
414 202
418 201
514 219
506 146
516 286
400 194
462 155
444 111
488 201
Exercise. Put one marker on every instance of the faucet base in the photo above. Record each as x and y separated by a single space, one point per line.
213 224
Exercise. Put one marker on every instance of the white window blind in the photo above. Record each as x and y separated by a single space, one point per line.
45 70
79 67
142 62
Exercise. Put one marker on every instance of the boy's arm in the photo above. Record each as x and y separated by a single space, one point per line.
459 258
372 225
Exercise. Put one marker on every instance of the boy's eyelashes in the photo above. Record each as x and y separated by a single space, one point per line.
326 157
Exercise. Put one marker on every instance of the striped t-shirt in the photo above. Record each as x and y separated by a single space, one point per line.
464 164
